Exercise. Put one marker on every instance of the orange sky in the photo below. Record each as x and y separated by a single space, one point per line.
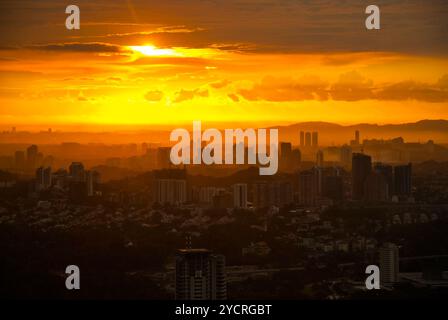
142 62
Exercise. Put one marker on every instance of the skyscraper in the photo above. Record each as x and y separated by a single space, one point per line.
285 149
361 168
346 157
376 187
403 180
308 187
171 191
320 159
302 138
240 195
200 275
389 263
92 181
315 140
278 193
31 157
387 172
334 188
43 178
307 139
77 173
285 155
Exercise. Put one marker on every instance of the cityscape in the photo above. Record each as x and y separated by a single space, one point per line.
149 229
268 154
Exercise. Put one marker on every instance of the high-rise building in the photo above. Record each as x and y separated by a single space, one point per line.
376 187
403 180
285 155
240 195
92 181
334 187
206 194
31 157
308 139
308 187
361 168
285 148
171 191
346 157
278 193
76 171
302 138
389 263
357 141
43 178
315 139
320 159
387 172
200 275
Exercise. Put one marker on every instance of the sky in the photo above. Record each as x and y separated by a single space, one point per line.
266 61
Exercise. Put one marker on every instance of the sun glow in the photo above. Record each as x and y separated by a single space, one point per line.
150 50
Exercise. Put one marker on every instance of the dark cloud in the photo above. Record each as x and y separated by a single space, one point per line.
80 47
411 26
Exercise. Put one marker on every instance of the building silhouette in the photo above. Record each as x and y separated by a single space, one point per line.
240 195
376 187
320 159
309 187
171 191
403 180
43 178
389 263
346 157
200 275
361 169
77 172
315 139
387 172
308 139
31 157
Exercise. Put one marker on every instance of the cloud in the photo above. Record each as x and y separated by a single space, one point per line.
234 97
220 84
80 47
154 96
411 90
156 31
286 89
351 86
184 95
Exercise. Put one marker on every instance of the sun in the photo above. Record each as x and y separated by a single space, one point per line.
150 50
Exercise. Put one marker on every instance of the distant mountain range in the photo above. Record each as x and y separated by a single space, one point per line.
329 133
